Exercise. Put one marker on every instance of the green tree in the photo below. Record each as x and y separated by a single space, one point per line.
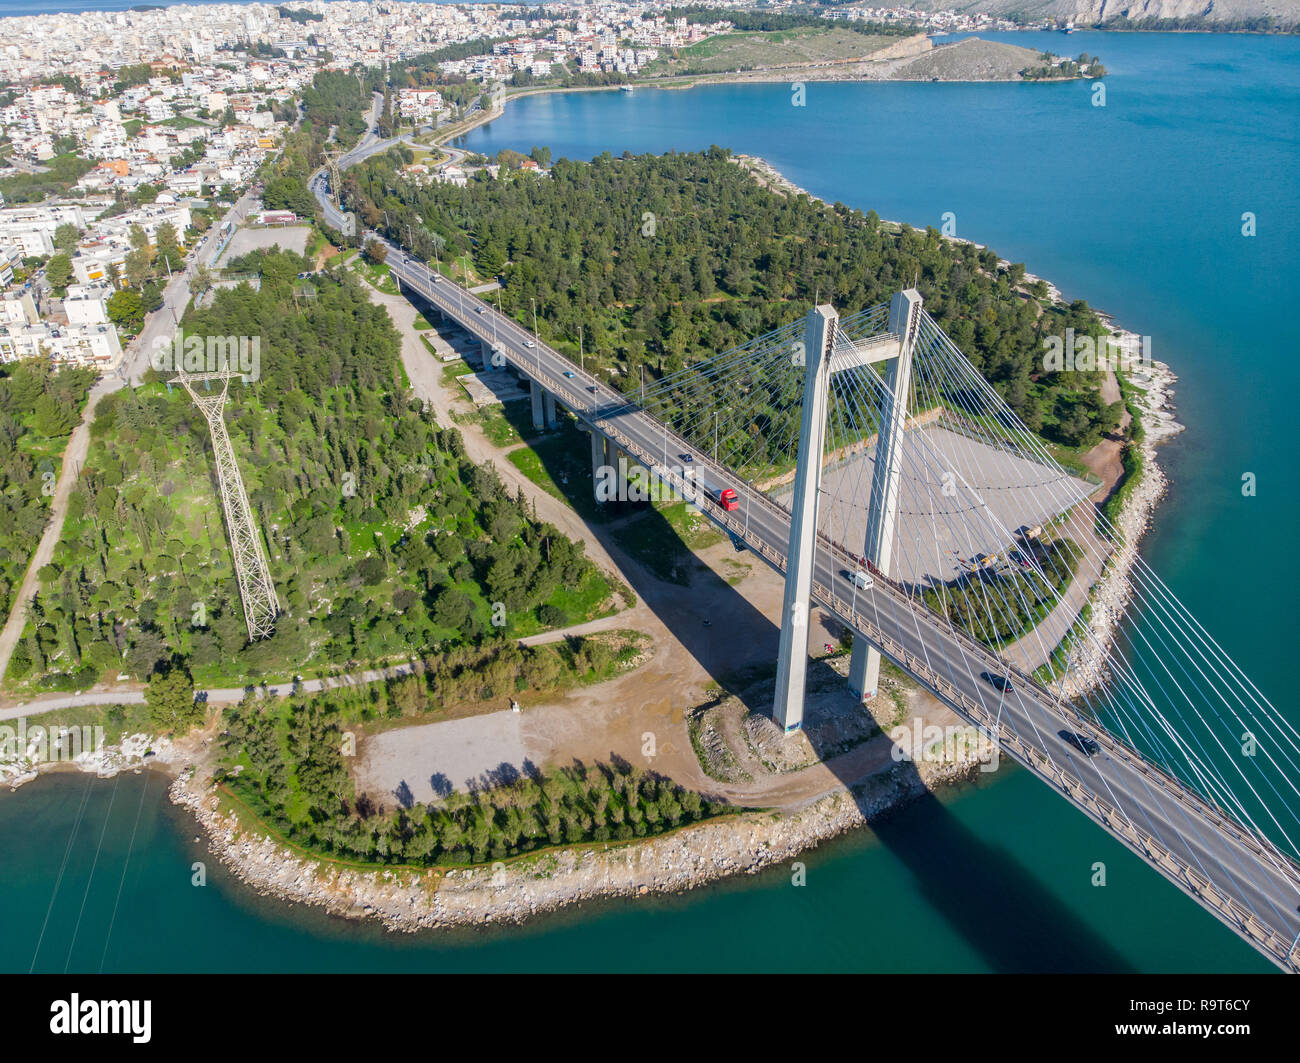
201 280
170 697
58 271
126 310
151 297
137 268
52 418
168 246
66 237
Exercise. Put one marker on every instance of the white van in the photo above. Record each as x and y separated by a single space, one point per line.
863 579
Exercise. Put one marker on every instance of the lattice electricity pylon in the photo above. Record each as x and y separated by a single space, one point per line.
256 590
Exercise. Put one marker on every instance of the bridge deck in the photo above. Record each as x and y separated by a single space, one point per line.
1241 879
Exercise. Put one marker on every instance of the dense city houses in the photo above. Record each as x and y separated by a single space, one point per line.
143 119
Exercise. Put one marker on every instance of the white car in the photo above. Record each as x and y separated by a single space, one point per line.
863 579
529 343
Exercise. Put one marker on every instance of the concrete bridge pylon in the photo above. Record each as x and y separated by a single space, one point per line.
792 653
882 513
821 361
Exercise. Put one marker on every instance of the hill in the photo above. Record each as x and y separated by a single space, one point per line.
1092 12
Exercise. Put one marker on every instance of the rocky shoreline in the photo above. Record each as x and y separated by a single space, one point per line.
133 753
508 893
1086 663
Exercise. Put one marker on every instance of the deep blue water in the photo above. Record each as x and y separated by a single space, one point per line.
1135 207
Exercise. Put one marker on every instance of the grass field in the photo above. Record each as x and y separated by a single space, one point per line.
378 276
754 51
560 464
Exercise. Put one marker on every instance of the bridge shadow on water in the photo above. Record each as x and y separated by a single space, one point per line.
988 897
979 888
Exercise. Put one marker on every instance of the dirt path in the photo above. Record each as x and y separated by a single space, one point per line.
74 456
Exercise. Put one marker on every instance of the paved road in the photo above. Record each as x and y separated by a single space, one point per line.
132 366
371 143
214 695
161 325
1240 879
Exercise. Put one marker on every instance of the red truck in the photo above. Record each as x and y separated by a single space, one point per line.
723 496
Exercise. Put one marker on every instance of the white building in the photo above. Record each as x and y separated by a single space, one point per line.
87 304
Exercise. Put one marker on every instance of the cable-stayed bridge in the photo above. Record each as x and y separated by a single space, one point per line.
941 531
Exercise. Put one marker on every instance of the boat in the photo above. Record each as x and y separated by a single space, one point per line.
626 88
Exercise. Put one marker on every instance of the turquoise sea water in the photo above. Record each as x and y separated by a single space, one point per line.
1135 207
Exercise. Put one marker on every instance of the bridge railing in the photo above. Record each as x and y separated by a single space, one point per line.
1110 817
674 442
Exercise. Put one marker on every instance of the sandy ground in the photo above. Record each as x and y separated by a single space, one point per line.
456 754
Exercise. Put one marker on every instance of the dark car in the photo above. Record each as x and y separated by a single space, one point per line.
999 681
1081 742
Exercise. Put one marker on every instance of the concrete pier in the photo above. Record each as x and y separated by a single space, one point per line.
537 393
597 459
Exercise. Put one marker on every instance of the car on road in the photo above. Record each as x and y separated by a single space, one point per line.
480 309
863 579
529 343
687 459
569 374
1085 745
592 388
999 681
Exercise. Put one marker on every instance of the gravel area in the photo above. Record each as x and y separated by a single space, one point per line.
289 237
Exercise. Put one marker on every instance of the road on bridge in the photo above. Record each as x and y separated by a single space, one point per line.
1240 879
